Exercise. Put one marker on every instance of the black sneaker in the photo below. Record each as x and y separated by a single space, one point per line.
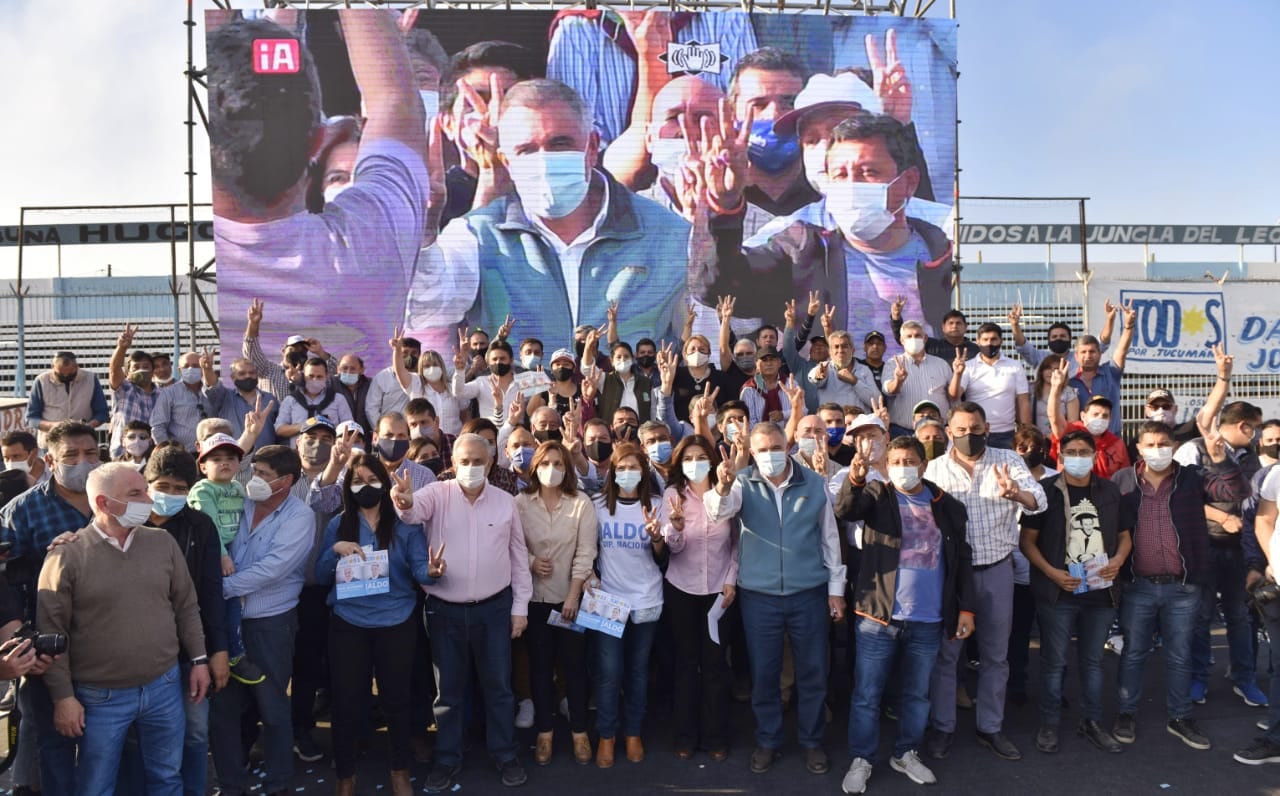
306 749
1092 732
512 773
1190 734
1047 739
815 760
441 778
246 671
937 744
762 759
999 743
1126 729
1262 751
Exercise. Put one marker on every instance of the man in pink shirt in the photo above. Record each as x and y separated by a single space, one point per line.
475 608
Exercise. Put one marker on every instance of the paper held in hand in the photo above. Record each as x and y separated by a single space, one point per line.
1087 572
599 611
360 576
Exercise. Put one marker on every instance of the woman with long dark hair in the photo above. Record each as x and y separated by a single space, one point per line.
373 633
703 570
629 565
560 529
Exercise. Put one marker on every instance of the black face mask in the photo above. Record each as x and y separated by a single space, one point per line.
1059 347
368 497
1272 450
500 369
480 352
561 374
646 361
1033 459
435 464
934 448
246 385
393 450
626 431
411 362
66 378
550 435
971 445
579 346
599 451
990 351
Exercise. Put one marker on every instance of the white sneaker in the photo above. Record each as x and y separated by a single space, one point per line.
524 714
910 765
855 781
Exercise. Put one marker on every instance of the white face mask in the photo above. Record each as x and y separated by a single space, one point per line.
332 191
315 386
861 209
258 489
137 447
815 166
697 470
904 478
913 345
134 514
711 420
430 105
1158 459
627 480
22 465
807 445
549 184
550 476
697 359
622 366
772 463
433 373
1097 425
190 375
470 476
1163 416
668 155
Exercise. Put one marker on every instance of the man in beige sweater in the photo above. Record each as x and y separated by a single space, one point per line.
123 595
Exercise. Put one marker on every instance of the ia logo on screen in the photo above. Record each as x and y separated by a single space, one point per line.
692 58
276 56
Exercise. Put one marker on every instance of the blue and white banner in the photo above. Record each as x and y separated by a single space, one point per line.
1179 323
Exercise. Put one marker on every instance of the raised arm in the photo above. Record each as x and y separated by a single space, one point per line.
115 368
627 158
380 63
724 309
1218 395
1126 336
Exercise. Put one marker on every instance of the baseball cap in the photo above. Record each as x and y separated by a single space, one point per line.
294 339
215 441
872 335
766 352
319 421
1160 394
349 425
826 91
562 353
925 405
863 420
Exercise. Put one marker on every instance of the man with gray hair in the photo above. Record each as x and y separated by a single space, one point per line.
65 392
913 377
565 244
123 594
475 611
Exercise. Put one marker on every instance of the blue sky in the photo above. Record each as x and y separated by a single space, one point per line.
1160 110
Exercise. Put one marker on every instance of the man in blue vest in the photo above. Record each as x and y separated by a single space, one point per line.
790 577
559 249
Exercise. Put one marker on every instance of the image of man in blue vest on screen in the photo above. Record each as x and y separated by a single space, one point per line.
555 252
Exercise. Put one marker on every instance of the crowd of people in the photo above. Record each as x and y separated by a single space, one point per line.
590 435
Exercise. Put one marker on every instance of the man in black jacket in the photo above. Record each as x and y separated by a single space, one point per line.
1086 521
913 587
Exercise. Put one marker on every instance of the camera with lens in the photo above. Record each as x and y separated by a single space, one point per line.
47 644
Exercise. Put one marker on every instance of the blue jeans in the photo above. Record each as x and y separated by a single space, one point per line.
463 636
622 665
915 645
235 639
1228 568
57 752
155 709
1090 622
1144 607
195 750
802 617
269 641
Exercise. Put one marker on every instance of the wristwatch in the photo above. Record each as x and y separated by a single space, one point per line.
203 660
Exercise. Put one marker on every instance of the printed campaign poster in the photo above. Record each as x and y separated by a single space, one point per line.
360 576
828 158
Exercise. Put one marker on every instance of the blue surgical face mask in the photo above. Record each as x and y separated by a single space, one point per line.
522 458
530 361
659 452
164 505
349 379
1077 466
549 184
627 480
768 152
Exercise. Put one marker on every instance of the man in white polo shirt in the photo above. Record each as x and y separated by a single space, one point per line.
997 383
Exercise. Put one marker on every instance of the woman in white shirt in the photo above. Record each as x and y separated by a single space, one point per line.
430 382
632 555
